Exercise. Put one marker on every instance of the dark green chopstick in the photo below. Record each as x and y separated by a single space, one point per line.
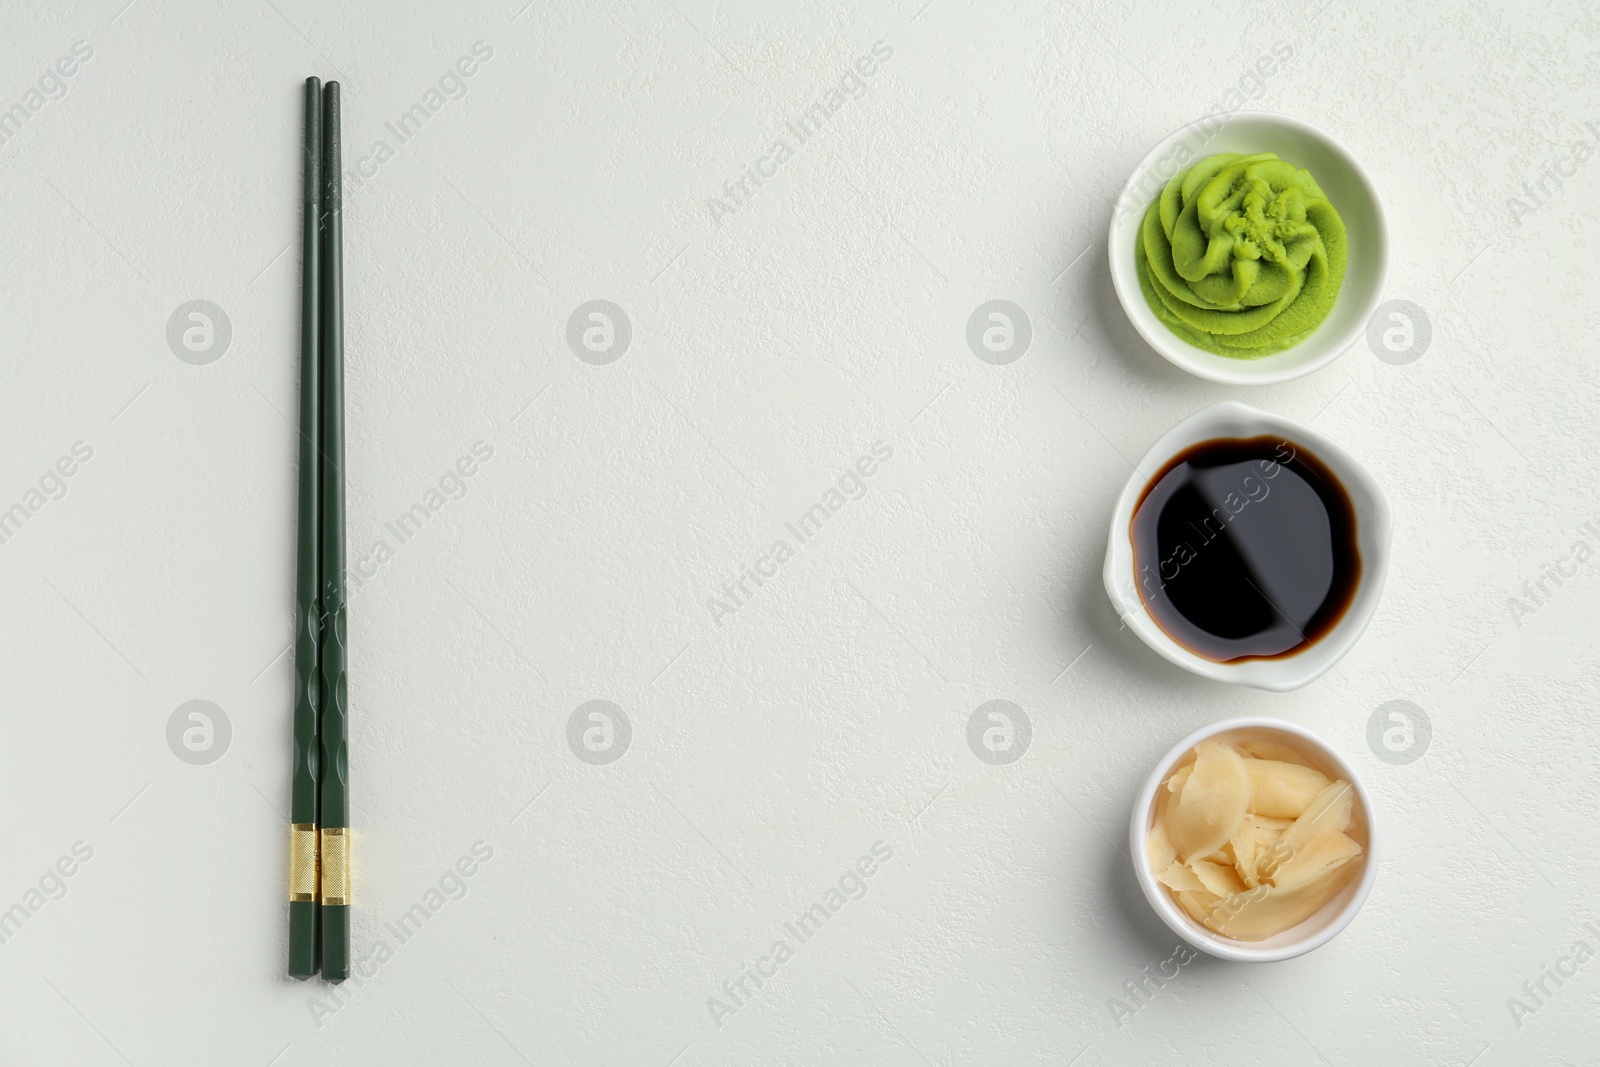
303 840
334 810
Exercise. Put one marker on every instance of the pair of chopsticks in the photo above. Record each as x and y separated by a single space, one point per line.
319 834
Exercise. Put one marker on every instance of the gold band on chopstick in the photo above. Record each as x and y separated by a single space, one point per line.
302 862
335 865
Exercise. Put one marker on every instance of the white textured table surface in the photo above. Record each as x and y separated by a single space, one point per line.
774 333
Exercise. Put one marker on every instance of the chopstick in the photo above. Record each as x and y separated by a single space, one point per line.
303 838
334 806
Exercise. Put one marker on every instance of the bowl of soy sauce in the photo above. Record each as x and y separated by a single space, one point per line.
1248 548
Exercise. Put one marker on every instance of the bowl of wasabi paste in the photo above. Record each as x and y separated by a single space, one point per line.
1249 248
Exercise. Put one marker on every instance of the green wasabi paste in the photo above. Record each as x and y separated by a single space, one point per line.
1241 255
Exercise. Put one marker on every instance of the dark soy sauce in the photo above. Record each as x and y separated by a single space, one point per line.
1245 548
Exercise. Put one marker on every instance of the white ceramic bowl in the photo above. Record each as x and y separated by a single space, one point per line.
1315 931
1340 176
1374 521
